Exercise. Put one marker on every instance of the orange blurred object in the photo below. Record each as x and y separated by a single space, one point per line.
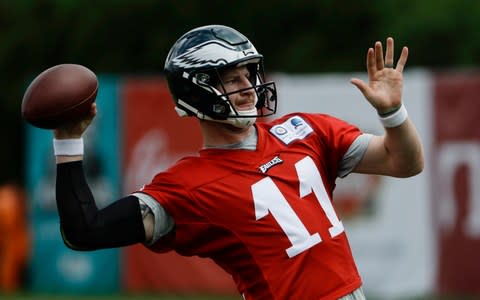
14 237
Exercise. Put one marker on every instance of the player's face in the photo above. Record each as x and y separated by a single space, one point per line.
235 79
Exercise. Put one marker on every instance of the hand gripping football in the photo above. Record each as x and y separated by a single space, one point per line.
59 95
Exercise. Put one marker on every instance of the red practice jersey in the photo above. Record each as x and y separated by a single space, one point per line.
266 216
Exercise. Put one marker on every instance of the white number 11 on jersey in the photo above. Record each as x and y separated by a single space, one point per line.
268 199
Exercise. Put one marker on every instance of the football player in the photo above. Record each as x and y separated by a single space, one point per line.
257 199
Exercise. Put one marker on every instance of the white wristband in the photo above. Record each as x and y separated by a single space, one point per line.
68 147
395 119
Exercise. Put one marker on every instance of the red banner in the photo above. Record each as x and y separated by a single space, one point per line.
154 138
456 191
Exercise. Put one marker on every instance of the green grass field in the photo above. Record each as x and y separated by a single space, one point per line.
27 296
114 297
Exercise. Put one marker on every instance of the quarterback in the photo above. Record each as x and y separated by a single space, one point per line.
257 199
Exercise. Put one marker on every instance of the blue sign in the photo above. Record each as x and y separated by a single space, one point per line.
54 267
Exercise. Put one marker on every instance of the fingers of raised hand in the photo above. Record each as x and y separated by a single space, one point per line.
377 60
382 61
389 54
402 60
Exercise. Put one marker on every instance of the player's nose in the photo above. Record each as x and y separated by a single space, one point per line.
246 86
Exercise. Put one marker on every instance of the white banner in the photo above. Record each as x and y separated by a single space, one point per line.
388 220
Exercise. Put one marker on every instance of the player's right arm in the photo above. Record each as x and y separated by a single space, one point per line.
85 227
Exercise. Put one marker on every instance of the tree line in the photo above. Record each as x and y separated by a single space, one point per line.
295 36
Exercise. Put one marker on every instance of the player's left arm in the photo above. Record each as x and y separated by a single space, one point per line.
399 151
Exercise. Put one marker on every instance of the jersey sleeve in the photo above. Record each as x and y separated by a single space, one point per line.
354 154
172 192
337 136
163 222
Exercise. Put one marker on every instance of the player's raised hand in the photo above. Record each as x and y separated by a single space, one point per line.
385 80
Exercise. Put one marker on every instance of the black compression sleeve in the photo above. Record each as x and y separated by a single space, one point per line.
83 225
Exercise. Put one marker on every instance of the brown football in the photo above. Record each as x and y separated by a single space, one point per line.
59 95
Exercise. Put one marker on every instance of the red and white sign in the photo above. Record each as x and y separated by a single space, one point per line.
154 138
455 185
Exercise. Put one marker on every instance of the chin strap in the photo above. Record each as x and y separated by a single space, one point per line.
239 122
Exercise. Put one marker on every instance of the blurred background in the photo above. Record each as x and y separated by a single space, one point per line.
413 239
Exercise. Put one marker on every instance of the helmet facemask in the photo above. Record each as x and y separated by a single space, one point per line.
216 105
